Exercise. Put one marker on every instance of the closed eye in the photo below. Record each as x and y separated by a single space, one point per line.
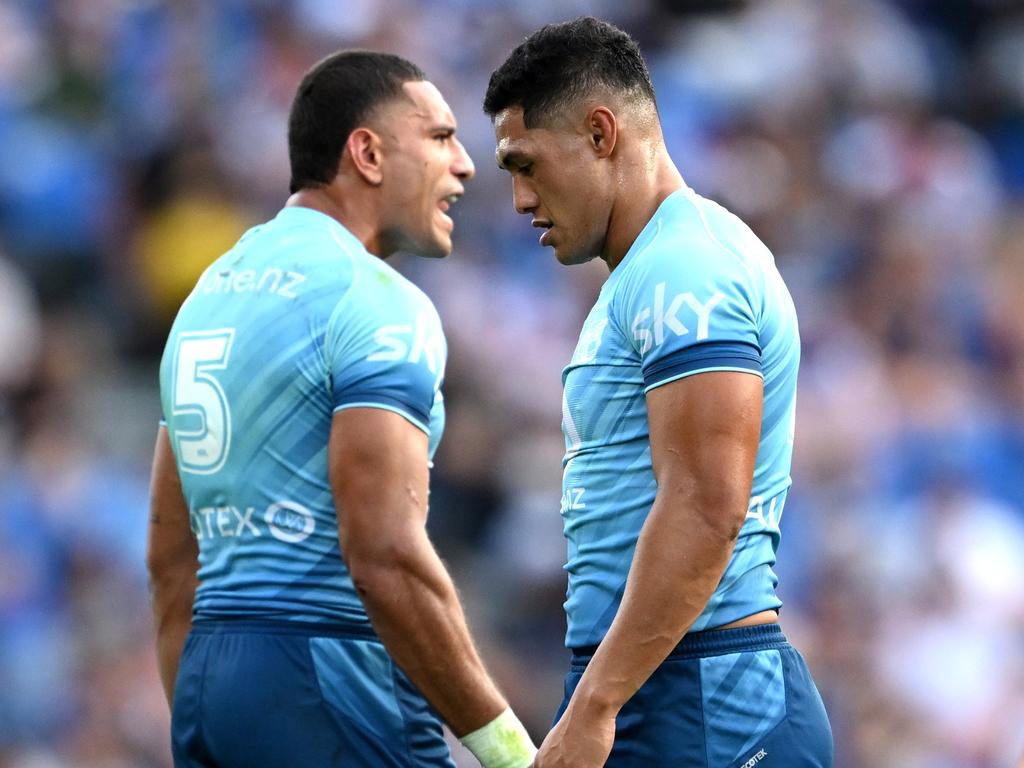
516 163
516 167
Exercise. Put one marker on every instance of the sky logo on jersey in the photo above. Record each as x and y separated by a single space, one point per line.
650 324
421 341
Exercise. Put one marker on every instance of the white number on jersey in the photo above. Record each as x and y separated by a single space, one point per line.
202 450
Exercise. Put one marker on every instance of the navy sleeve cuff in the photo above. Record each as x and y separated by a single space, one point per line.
709 356
417 415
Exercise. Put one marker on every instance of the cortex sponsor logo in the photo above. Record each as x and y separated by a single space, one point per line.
286 521
412 343
651 324
761 755
210 522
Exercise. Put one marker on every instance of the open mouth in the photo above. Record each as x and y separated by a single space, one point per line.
448 201
445 204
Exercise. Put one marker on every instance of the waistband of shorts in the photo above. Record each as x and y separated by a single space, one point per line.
712 642
268 627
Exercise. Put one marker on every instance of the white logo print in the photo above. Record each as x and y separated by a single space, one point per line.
590 341
289 522
769 516
572 434
426 343
661 317
761 755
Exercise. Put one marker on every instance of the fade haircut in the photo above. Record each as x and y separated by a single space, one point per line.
560 64
334 98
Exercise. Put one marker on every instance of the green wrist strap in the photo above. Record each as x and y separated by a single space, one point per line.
502 743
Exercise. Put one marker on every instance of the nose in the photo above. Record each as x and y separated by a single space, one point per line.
462 163
524 198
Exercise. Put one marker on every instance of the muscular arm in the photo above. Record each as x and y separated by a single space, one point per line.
704 438
378 466
172 559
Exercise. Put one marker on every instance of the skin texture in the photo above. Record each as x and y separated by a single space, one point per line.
683 550
396 174
595 175
172 557
378 469
394 179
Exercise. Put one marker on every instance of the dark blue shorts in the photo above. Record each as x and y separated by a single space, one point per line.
275 694
734 698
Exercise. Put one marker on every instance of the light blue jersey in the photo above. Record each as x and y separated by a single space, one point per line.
696 292
294 323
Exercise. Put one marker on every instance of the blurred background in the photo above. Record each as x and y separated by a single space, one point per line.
878 149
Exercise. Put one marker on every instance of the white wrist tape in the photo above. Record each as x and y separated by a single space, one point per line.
502 743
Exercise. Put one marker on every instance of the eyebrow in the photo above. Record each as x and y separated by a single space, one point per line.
448 128
511 157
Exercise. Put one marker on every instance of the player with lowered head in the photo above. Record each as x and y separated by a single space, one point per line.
301 397
678 418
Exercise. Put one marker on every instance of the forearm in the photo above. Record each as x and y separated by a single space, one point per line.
172 559
172 597
679 560
415 610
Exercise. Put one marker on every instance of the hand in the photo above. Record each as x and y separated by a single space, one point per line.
577 741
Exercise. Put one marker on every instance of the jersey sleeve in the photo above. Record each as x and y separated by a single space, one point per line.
688 307
385 349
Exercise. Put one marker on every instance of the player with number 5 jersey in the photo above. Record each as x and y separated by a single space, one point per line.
250 382
303 616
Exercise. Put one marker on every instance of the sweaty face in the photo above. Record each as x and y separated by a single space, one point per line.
425 167
556 180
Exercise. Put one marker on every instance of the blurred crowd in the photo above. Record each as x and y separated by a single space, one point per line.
877 148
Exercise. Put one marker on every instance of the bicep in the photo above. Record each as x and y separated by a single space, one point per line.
379 477
705 431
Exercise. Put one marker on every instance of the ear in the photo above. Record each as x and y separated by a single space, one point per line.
364 148
603 129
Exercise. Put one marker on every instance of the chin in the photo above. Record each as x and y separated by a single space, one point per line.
429 244
570 258
438 248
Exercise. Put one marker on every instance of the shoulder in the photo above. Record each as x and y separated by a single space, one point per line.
381 292
693 278
383 316
693 251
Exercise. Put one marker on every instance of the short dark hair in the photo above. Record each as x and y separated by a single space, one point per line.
334 97
560 63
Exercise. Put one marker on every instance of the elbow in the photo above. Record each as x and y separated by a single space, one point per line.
170 573
158 568
377 574
724 517
718 512
172 589
161 562
169 580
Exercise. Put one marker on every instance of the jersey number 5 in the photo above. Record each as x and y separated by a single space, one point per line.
199 401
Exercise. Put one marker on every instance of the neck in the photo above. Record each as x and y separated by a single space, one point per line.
644 183
352 210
